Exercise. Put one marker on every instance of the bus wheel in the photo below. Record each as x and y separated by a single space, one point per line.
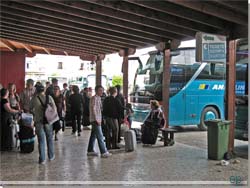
207 114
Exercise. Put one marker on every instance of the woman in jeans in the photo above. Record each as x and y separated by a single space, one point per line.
43 129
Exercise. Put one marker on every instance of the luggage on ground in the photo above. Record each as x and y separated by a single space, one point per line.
130 140
137 134
26 134
27 139
14 134
149 133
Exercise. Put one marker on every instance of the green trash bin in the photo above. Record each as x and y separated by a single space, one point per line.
218 137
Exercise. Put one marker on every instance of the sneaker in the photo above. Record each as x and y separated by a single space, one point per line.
53 158
106 155
93 153
79 134
56 138
73 132
41 162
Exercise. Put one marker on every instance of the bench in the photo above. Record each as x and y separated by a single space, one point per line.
168 141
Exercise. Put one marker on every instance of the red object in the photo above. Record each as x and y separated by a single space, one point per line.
12 69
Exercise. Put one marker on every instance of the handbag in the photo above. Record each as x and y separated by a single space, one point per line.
50 111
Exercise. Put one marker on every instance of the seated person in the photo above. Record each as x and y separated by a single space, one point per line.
155 116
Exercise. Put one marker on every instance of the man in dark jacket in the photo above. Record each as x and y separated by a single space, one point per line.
76 103
121 99
111 111
50 89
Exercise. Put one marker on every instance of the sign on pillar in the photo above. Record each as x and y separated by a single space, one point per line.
210 48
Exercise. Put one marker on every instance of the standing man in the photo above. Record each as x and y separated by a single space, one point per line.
26 95
50 89
95 110
65 90
111 111
121 116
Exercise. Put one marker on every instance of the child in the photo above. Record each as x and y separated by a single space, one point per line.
129 113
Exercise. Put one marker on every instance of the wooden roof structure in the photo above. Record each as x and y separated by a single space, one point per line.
93 27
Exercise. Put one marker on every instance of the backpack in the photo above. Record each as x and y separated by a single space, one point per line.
50 111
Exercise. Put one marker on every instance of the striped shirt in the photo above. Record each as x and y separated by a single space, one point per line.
25 98
95 109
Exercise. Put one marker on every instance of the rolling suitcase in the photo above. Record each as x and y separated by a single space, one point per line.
14 134
130 140
27 139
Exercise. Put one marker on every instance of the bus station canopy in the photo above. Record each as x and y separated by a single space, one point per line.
92 27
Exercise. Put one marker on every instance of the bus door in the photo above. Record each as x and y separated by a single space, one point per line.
177 105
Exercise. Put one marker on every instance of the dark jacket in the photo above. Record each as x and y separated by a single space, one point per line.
76 103
112 108
120 98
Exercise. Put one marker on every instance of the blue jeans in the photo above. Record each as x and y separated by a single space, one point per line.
45 131
96 132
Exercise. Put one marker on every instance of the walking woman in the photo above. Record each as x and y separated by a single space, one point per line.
60 105
43 129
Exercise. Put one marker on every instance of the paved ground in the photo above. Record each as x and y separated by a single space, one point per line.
185 161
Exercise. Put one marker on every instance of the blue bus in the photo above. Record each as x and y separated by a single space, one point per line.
196 88
242 122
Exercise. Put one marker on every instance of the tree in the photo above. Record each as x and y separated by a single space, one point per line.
117 80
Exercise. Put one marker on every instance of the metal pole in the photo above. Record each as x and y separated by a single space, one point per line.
230 92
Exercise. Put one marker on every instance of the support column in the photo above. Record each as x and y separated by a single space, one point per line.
125 74
98 77
166 86
125 53
230 92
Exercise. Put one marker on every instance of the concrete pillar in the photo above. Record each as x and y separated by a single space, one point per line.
230 91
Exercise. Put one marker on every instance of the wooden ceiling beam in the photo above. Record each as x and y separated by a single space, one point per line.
47 28
43 35
133 12
8 45
49 41
47 51
181 12
64 27
5 30
56 48
208 8
32 7
87 11
240 6
27 47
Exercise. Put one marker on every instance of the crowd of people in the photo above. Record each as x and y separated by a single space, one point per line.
105 111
